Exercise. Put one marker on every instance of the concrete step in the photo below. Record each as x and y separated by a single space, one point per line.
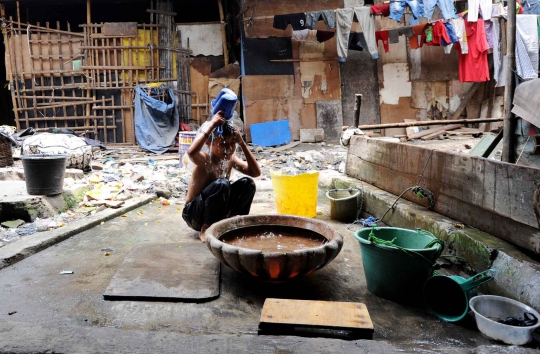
517 276
15 203
17 174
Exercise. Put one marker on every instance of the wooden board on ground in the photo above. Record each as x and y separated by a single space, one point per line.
166 272
285 316
492 196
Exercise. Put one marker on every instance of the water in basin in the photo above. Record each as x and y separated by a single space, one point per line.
272 239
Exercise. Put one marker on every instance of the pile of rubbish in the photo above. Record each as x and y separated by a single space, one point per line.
327 157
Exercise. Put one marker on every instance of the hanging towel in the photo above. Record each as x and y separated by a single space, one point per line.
527 46
499 59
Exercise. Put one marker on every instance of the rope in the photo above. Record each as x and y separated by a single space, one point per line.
378 241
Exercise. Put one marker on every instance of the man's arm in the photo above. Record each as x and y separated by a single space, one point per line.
194 151
249 167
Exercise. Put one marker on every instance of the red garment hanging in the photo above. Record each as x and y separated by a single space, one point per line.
473 67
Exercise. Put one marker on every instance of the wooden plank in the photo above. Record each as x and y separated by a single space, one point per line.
321 314
428 63
492 196
320 81
483 145
435 131
120 29
264 87
429 122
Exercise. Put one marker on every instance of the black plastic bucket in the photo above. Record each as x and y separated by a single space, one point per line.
44 174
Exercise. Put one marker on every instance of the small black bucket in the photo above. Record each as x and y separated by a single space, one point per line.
44 174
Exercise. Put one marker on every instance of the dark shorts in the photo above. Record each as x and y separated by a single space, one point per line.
219 200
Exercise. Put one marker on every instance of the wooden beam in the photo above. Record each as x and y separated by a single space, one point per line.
434 132
161 12
465 101
303 60
509 135
489 195
88 12
427 122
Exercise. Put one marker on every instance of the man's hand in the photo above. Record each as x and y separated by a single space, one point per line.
238 136
217 120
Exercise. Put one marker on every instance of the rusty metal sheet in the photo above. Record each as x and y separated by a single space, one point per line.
166 272
119 29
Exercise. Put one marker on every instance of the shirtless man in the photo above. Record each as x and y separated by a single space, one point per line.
211 197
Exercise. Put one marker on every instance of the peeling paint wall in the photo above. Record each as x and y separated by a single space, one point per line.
396 82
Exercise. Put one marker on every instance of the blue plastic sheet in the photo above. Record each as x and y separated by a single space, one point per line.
156 122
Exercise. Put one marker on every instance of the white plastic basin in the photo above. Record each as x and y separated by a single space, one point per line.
488 309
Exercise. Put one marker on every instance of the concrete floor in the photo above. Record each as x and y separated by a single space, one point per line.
72 310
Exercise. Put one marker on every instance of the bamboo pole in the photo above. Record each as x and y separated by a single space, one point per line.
88 12
508 153
428 122
223 33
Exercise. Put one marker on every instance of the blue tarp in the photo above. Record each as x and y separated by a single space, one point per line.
156 122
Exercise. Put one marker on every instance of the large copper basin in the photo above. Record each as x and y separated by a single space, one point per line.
274 266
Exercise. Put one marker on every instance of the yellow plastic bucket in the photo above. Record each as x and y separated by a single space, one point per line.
296 195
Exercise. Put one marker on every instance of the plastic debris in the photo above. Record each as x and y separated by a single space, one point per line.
66 272
527 320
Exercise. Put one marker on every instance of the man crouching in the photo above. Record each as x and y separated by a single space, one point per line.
211 197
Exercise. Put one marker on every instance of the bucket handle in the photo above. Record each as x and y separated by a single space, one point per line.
435 240
478 280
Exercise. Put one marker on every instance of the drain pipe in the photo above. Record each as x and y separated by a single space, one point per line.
509 137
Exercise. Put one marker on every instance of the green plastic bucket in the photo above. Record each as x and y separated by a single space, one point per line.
393 273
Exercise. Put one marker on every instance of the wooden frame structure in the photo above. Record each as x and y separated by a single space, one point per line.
84 81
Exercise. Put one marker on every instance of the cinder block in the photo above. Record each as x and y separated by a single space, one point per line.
311 135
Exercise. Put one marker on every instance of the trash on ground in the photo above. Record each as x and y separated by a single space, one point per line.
66 272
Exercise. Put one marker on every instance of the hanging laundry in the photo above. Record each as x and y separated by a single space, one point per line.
344 19
382 10
451 34
357 41
305 35
323 36
531 7
383 37
489 33
499 57
427 36
527 46
394 34
439 34
328 16
446 7
473 67
297 21
484 5
397 8
459 27
416 40
497 10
